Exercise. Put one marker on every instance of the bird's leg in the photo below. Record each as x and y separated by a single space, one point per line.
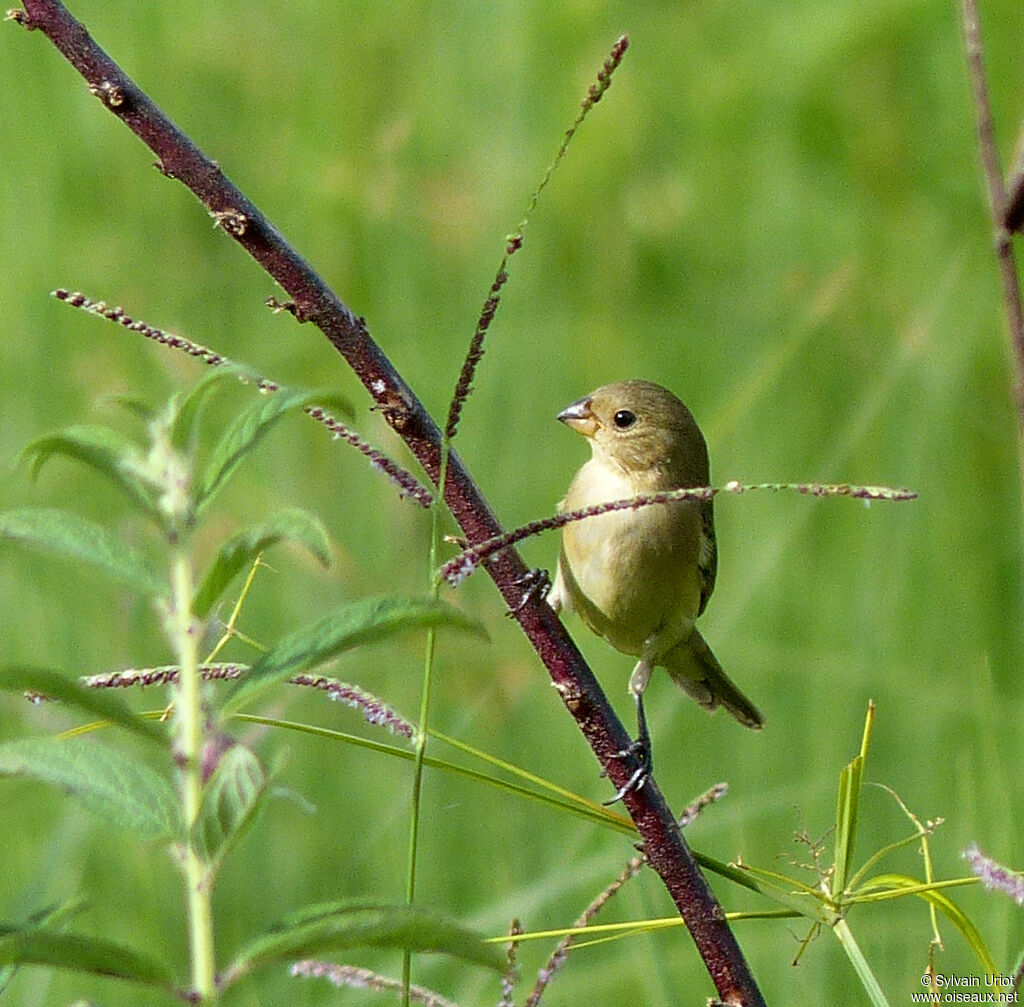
641 748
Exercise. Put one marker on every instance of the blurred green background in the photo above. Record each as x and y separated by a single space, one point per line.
776 211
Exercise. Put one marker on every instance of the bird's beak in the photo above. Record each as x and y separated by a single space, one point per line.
579 417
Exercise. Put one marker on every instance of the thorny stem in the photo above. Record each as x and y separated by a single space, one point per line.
179 158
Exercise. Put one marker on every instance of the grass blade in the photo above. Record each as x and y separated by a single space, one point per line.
899 882
860 964
848 805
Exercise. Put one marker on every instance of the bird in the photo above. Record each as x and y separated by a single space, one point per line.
641 577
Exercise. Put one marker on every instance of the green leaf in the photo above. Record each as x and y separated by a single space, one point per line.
340 926
846 822
244 434
346 627
106 451
92 955
125 793
96 702
230 800
187 408
239 551
135 406
943 902
78 538
851 780
51 915
805 900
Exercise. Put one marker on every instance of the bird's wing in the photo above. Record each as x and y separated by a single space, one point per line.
707 554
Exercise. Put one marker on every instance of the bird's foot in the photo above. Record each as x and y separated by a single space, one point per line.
535 584
641 751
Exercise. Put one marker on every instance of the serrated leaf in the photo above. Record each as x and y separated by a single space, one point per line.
340 926
230 799
124 792
96 702
248 429
78 538
346 627
106 451
241 549
92 955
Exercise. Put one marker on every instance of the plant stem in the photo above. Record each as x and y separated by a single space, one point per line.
423 726
1013 300
860 964
417 790
189 740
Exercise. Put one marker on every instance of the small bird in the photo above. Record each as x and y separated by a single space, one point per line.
641 577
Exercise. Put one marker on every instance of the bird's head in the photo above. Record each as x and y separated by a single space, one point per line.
639 426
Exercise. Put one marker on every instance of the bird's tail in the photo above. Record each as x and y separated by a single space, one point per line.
695 669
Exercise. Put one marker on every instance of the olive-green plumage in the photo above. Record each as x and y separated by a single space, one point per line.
640 578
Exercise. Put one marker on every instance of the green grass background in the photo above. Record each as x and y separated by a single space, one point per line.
776 211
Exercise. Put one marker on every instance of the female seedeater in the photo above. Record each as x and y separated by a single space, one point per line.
640 578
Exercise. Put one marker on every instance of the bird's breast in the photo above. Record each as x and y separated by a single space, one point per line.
632 573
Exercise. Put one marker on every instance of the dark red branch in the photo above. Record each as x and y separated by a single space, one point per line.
313 301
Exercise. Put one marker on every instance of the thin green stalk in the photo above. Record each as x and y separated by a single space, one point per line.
424 717
189 734
417 789
860 964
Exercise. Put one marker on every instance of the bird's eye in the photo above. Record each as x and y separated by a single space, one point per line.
624 419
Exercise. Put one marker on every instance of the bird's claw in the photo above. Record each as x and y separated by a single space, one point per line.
535 584
641 749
